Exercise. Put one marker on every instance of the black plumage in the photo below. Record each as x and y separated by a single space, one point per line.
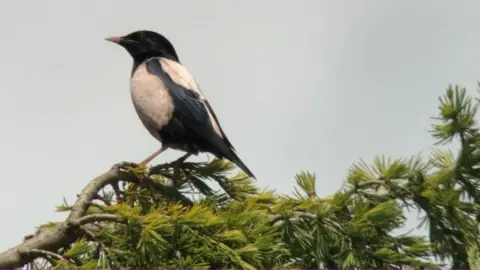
170 103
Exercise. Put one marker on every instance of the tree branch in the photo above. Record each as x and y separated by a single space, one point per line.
53 238
102 199
100 217
276 218
47 254
79 223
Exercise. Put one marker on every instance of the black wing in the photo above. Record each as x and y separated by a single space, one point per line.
191 121
209 107
190 111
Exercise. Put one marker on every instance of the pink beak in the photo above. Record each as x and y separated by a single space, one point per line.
114 39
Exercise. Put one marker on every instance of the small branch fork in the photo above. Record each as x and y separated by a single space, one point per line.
47 240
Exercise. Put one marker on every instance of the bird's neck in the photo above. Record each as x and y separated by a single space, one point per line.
138 59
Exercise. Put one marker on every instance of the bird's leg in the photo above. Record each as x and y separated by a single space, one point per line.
177 163
152 156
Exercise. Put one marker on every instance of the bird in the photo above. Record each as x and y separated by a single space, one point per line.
169 102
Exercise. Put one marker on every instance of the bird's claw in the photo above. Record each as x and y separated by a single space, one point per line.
125 166
142 165
181 160
177 165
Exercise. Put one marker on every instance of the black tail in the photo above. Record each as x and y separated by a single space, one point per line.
235 159
223 146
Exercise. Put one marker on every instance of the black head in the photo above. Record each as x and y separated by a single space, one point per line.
142 45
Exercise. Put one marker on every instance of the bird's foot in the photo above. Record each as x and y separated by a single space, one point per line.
184 157
124 165
178 163
142 165
130 167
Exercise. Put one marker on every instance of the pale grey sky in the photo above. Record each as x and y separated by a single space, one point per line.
298 85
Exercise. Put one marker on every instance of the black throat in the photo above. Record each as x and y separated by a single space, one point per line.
138 59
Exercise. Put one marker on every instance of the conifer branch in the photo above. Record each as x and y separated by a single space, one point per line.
102 199
47 254
100 217
118 193
276 218
93 238
49 239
